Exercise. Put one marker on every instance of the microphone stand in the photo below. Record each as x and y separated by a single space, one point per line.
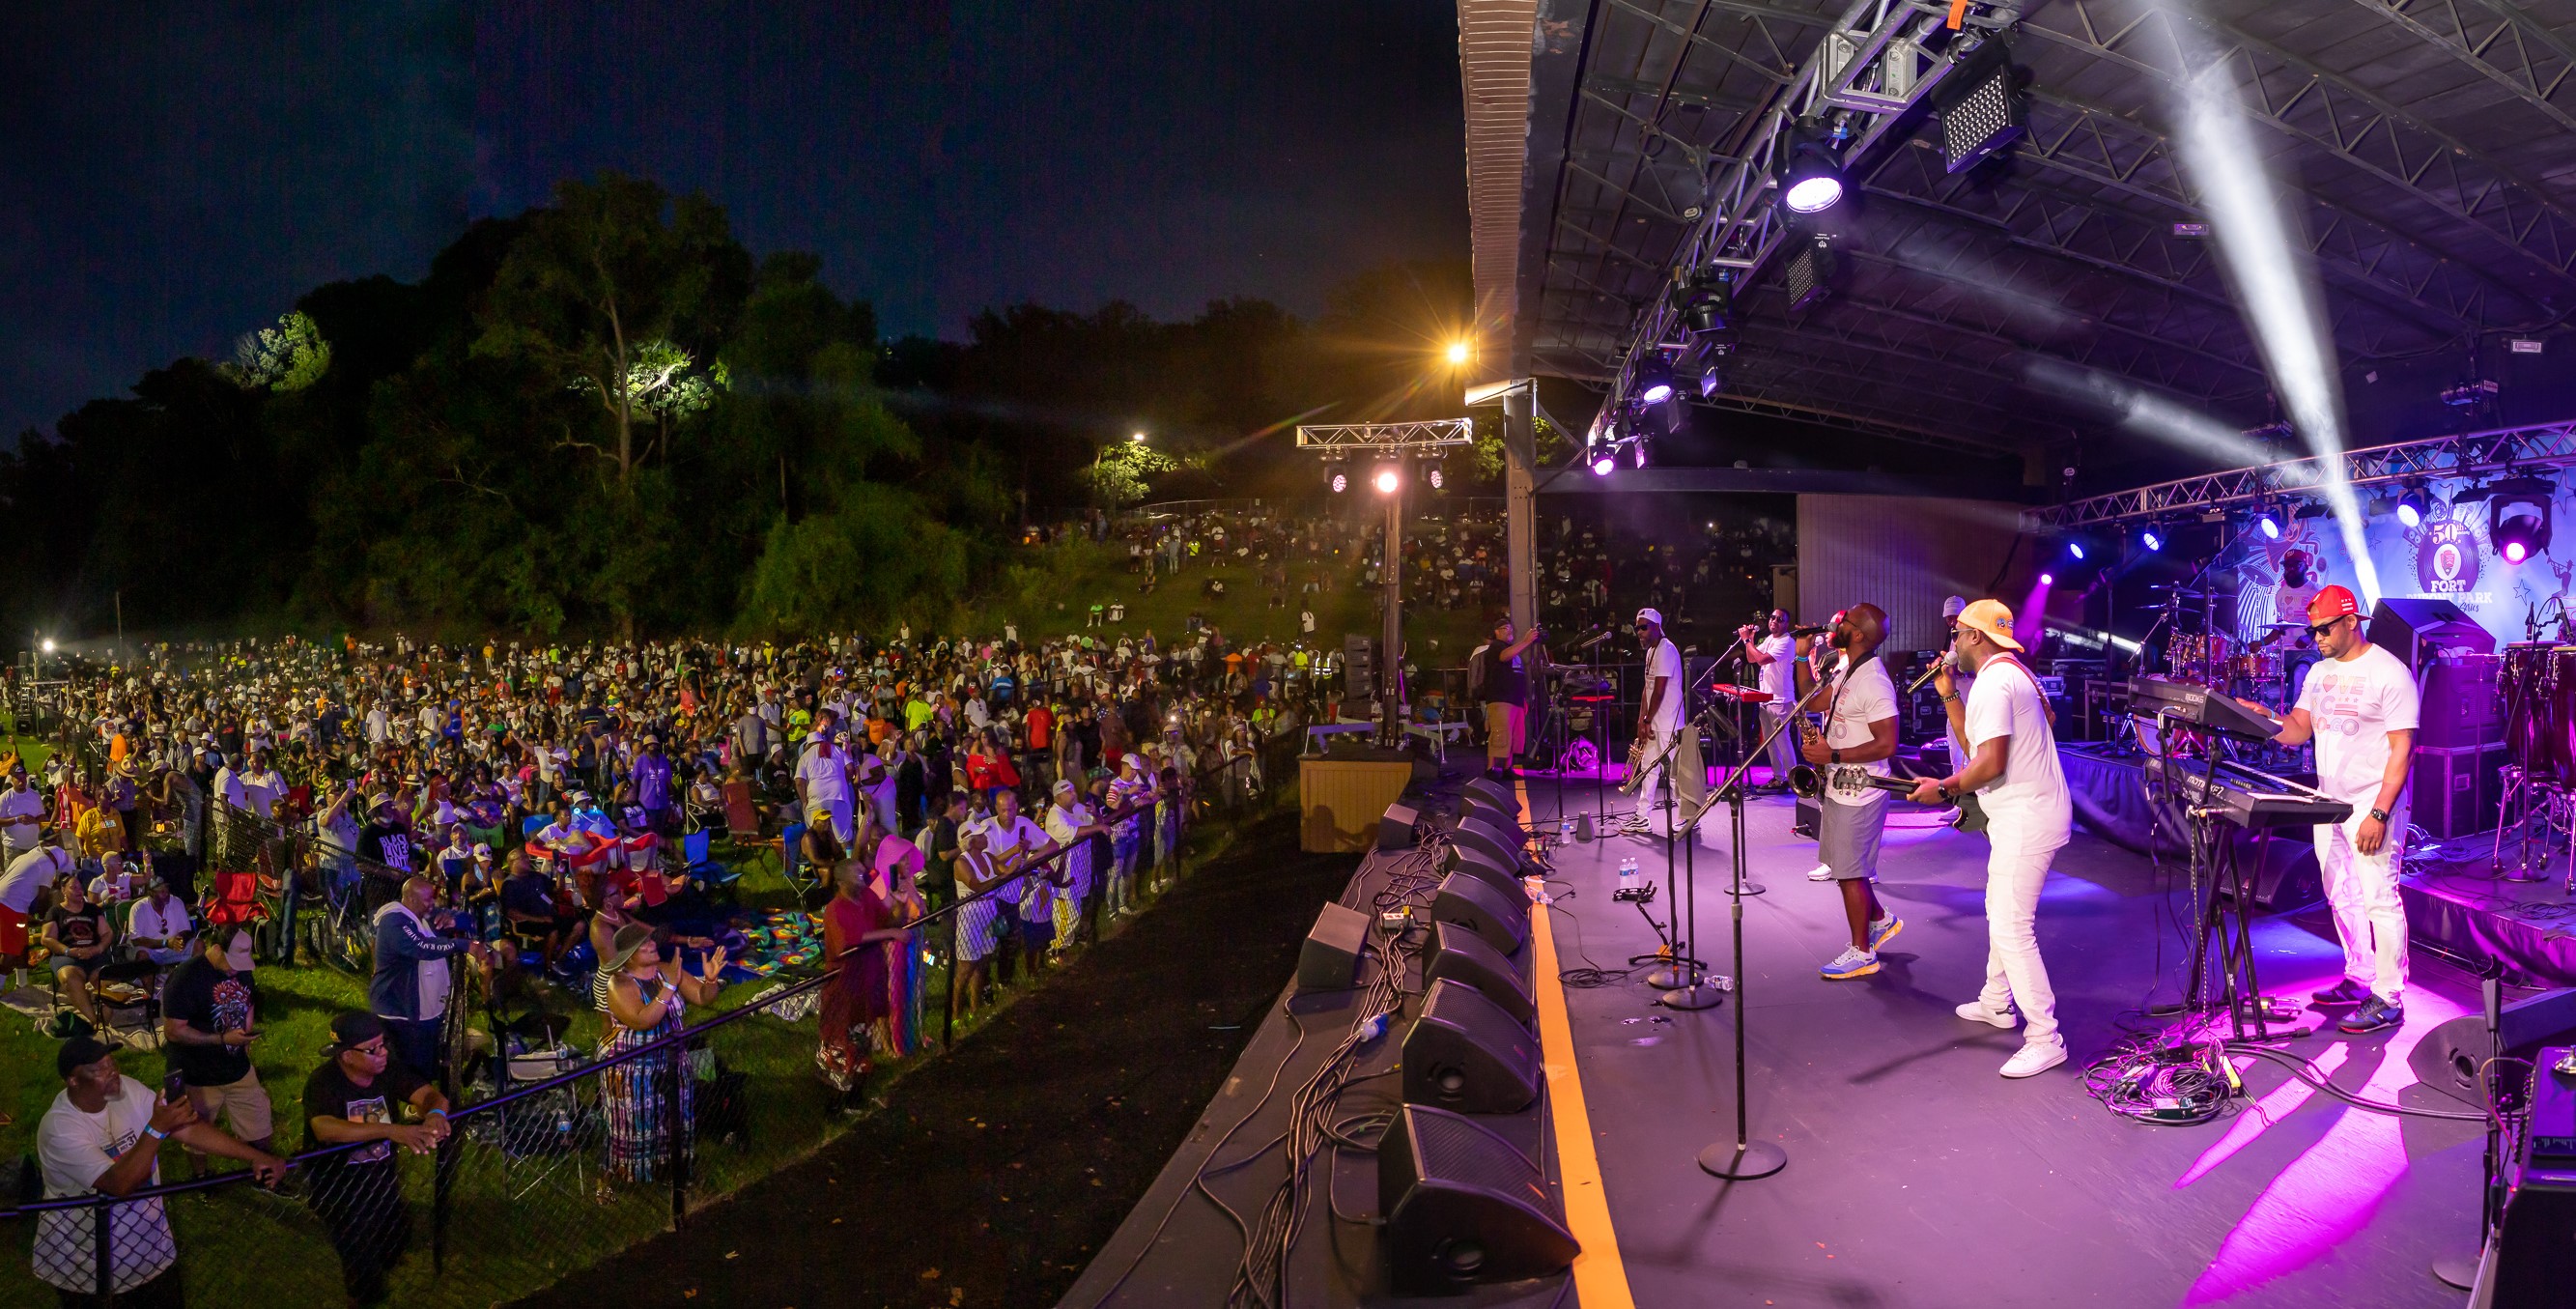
1684 984
1746 1158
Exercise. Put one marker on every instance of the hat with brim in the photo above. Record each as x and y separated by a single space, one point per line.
1991 619
623 946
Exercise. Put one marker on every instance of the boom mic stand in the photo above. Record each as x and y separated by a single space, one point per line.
1747 1158
1685 984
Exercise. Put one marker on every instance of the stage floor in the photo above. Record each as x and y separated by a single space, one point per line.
1917 1176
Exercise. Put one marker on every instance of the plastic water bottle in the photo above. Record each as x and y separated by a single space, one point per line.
1565 827
1628 873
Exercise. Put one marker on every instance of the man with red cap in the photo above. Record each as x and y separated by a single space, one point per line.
2012 766
2361 707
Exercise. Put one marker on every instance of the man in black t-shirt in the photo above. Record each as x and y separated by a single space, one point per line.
1505 692
386 839
356 1097
77 937
208 1020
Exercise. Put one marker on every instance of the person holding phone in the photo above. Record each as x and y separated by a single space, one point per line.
208 1020
102 1136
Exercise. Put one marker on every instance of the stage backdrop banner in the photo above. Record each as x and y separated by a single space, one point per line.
1904 554
2450 556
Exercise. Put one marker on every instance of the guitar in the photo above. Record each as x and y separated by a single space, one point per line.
1809 785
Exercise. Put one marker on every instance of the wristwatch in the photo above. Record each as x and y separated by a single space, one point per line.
1837 757
2379 815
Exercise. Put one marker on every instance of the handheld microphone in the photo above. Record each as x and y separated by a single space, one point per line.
1928 674
1808 631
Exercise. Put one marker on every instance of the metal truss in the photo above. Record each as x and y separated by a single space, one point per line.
1387 437
2498 47
2474 454
2334 114
2110 150
1869 69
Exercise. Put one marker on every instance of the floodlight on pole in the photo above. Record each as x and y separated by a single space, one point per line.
1459 353
1387 479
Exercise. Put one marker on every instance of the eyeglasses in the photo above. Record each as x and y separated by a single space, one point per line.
373 1049
2316 630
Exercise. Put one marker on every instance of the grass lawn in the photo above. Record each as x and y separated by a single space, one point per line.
519 1218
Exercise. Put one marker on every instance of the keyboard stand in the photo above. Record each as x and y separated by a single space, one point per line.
2227 915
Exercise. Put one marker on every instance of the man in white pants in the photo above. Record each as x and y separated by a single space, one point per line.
1776 653
2012 767
2361 706
1659 727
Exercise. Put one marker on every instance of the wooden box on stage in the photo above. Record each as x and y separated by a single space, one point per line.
2454 790
1340 799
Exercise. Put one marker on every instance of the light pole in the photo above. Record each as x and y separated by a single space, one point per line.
1392 447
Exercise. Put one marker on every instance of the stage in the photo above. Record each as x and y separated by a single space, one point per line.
1917 1176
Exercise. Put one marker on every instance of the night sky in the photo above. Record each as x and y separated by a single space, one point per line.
174 174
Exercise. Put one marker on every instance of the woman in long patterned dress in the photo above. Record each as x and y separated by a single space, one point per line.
894 870
855 924
647 996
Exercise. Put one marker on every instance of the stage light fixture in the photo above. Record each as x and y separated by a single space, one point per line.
1388 478
2048 579
1337 475
1458 353
1809 175
2075 550
2152 536
2412 505
1637 452
2270 524
1711 382
1703 303
1811 273
2518 520
1433 474
1981 107
1654 381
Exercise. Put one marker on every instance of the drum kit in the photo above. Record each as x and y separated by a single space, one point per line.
2536 683
2198 649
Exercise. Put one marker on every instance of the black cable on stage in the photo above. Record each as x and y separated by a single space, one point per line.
2306 1071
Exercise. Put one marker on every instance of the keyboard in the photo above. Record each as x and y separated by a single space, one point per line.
2195 705
2247 797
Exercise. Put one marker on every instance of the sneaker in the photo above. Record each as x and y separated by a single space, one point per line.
1852 962
2373 1015
2034 1059
1883 931
1821 873
1975 1011
1635 827
2346 991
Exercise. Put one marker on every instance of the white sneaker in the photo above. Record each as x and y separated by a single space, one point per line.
2032 1060
1975 1011
1821 873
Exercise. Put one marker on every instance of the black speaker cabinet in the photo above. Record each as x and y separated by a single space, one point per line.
1466 1053
1462 1206
2535 1249
1803 823
1330 959
2447 1058
1486 790
1472 902
1505 880
1458 954
1395 829
1497 847
1504 819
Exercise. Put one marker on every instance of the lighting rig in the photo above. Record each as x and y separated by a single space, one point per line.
1848 104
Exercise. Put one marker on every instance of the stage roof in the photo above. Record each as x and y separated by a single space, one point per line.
2431 145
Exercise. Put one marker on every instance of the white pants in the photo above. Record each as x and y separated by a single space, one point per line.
1784 743
2016 867
2362 888
1690 776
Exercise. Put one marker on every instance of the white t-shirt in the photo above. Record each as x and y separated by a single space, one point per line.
1665 661
29 803
74 1149
2032 792
32 872
2355 703
1861 697
1778 676
827 779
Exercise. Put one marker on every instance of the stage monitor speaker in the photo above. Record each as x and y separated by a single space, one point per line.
1504 822
1330 959
2535 1248
1460 955
1475 863
2448 1057
1395 829
1466 1053
2283 871
1472 902
2411 629
1504 832
1479 840
1462 1205
1500 795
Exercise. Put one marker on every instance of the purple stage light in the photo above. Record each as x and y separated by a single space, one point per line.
2048 579
1602 464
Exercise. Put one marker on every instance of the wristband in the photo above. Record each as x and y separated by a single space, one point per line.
435 1113
155 1133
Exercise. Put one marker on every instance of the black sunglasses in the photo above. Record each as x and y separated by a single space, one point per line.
2316 630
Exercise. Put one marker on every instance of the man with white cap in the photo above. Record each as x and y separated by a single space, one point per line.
2361 707
2012 766
1659 727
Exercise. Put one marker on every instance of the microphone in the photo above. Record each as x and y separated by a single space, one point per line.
1928 674
1808 631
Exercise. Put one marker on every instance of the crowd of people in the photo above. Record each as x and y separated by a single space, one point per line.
514 811
1704 582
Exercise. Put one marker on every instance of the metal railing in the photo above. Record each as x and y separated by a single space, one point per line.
567 1162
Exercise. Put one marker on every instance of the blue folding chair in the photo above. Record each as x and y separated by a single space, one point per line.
791 840
698 864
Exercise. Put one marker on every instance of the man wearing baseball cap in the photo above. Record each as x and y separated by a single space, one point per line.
2012 767
2361 707
1660 716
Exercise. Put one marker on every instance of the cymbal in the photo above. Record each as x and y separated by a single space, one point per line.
2177 588
2280 627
